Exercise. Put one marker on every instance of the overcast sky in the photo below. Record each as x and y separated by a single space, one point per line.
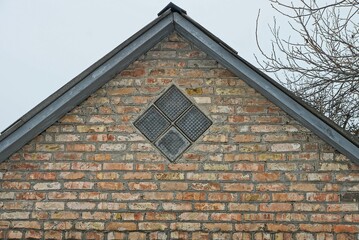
45 43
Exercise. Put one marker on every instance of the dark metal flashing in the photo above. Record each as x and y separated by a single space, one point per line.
265 85
77 79
352 138
76 91
169 20
173 8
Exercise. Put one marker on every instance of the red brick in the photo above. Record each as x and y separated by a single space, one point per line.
153 226
144 206
81 205
258 216
182 167
146 186
265 177
255 197
190 196
206 186
252 167
241 187
189 216
118 166
242 207
80 147
185 226
160 216
26 225
178 186
110 185
99 157
325 218
221 197
281 227
275 207
78 185
67 156
30 196
121 226
41 176
62 195
209 206
287 197
137 176
346 228
249 227
121 91
315 227
223 227
71 119
37 156
343 207
72 175
64 215
233 176
322 197
150 167
183 206
305 187
226 217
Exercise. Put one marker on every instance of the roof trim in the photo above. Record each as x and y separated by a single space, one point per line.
76 91
265 85
82 86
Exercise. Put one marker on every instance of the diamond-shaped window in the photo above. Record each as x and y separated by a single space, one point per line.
173 103
152 123
172 123
172 143
193 123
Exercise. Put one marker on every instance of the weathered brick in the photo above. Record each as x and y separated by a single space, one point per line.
275 207
178 186
110 185
49 205
113 147
80 147
121 226
256 173
80 205
47 186
185 226
241 187
315 227
146 186
226 217
117 166
177 206
209 206
153 226
242 207
190 196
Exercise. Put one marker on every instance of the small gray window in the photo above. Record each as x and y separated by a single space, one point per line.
172 123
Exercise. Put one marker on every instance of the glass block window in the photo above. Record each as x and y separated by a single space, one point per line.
172 123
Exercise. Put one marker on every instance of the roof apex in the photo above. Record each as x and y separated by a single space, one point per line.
174 8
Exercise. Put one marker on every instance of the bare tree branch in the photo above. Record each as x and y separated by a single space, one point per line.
322 64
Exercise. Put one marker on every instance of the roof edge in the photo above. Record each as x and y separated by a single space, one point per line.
82 86
76 79
269 88
78 89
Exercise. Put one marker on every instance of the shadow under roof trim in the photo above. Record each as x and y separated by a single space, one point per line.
171 18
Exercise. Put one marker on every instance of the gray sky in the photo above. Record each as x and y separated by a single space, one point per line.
44 44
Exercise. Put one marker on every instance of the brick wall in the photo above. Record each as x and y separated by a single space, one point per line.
255 174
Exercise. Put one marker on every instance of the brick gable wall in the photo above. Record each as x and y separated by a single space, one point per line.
255 174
